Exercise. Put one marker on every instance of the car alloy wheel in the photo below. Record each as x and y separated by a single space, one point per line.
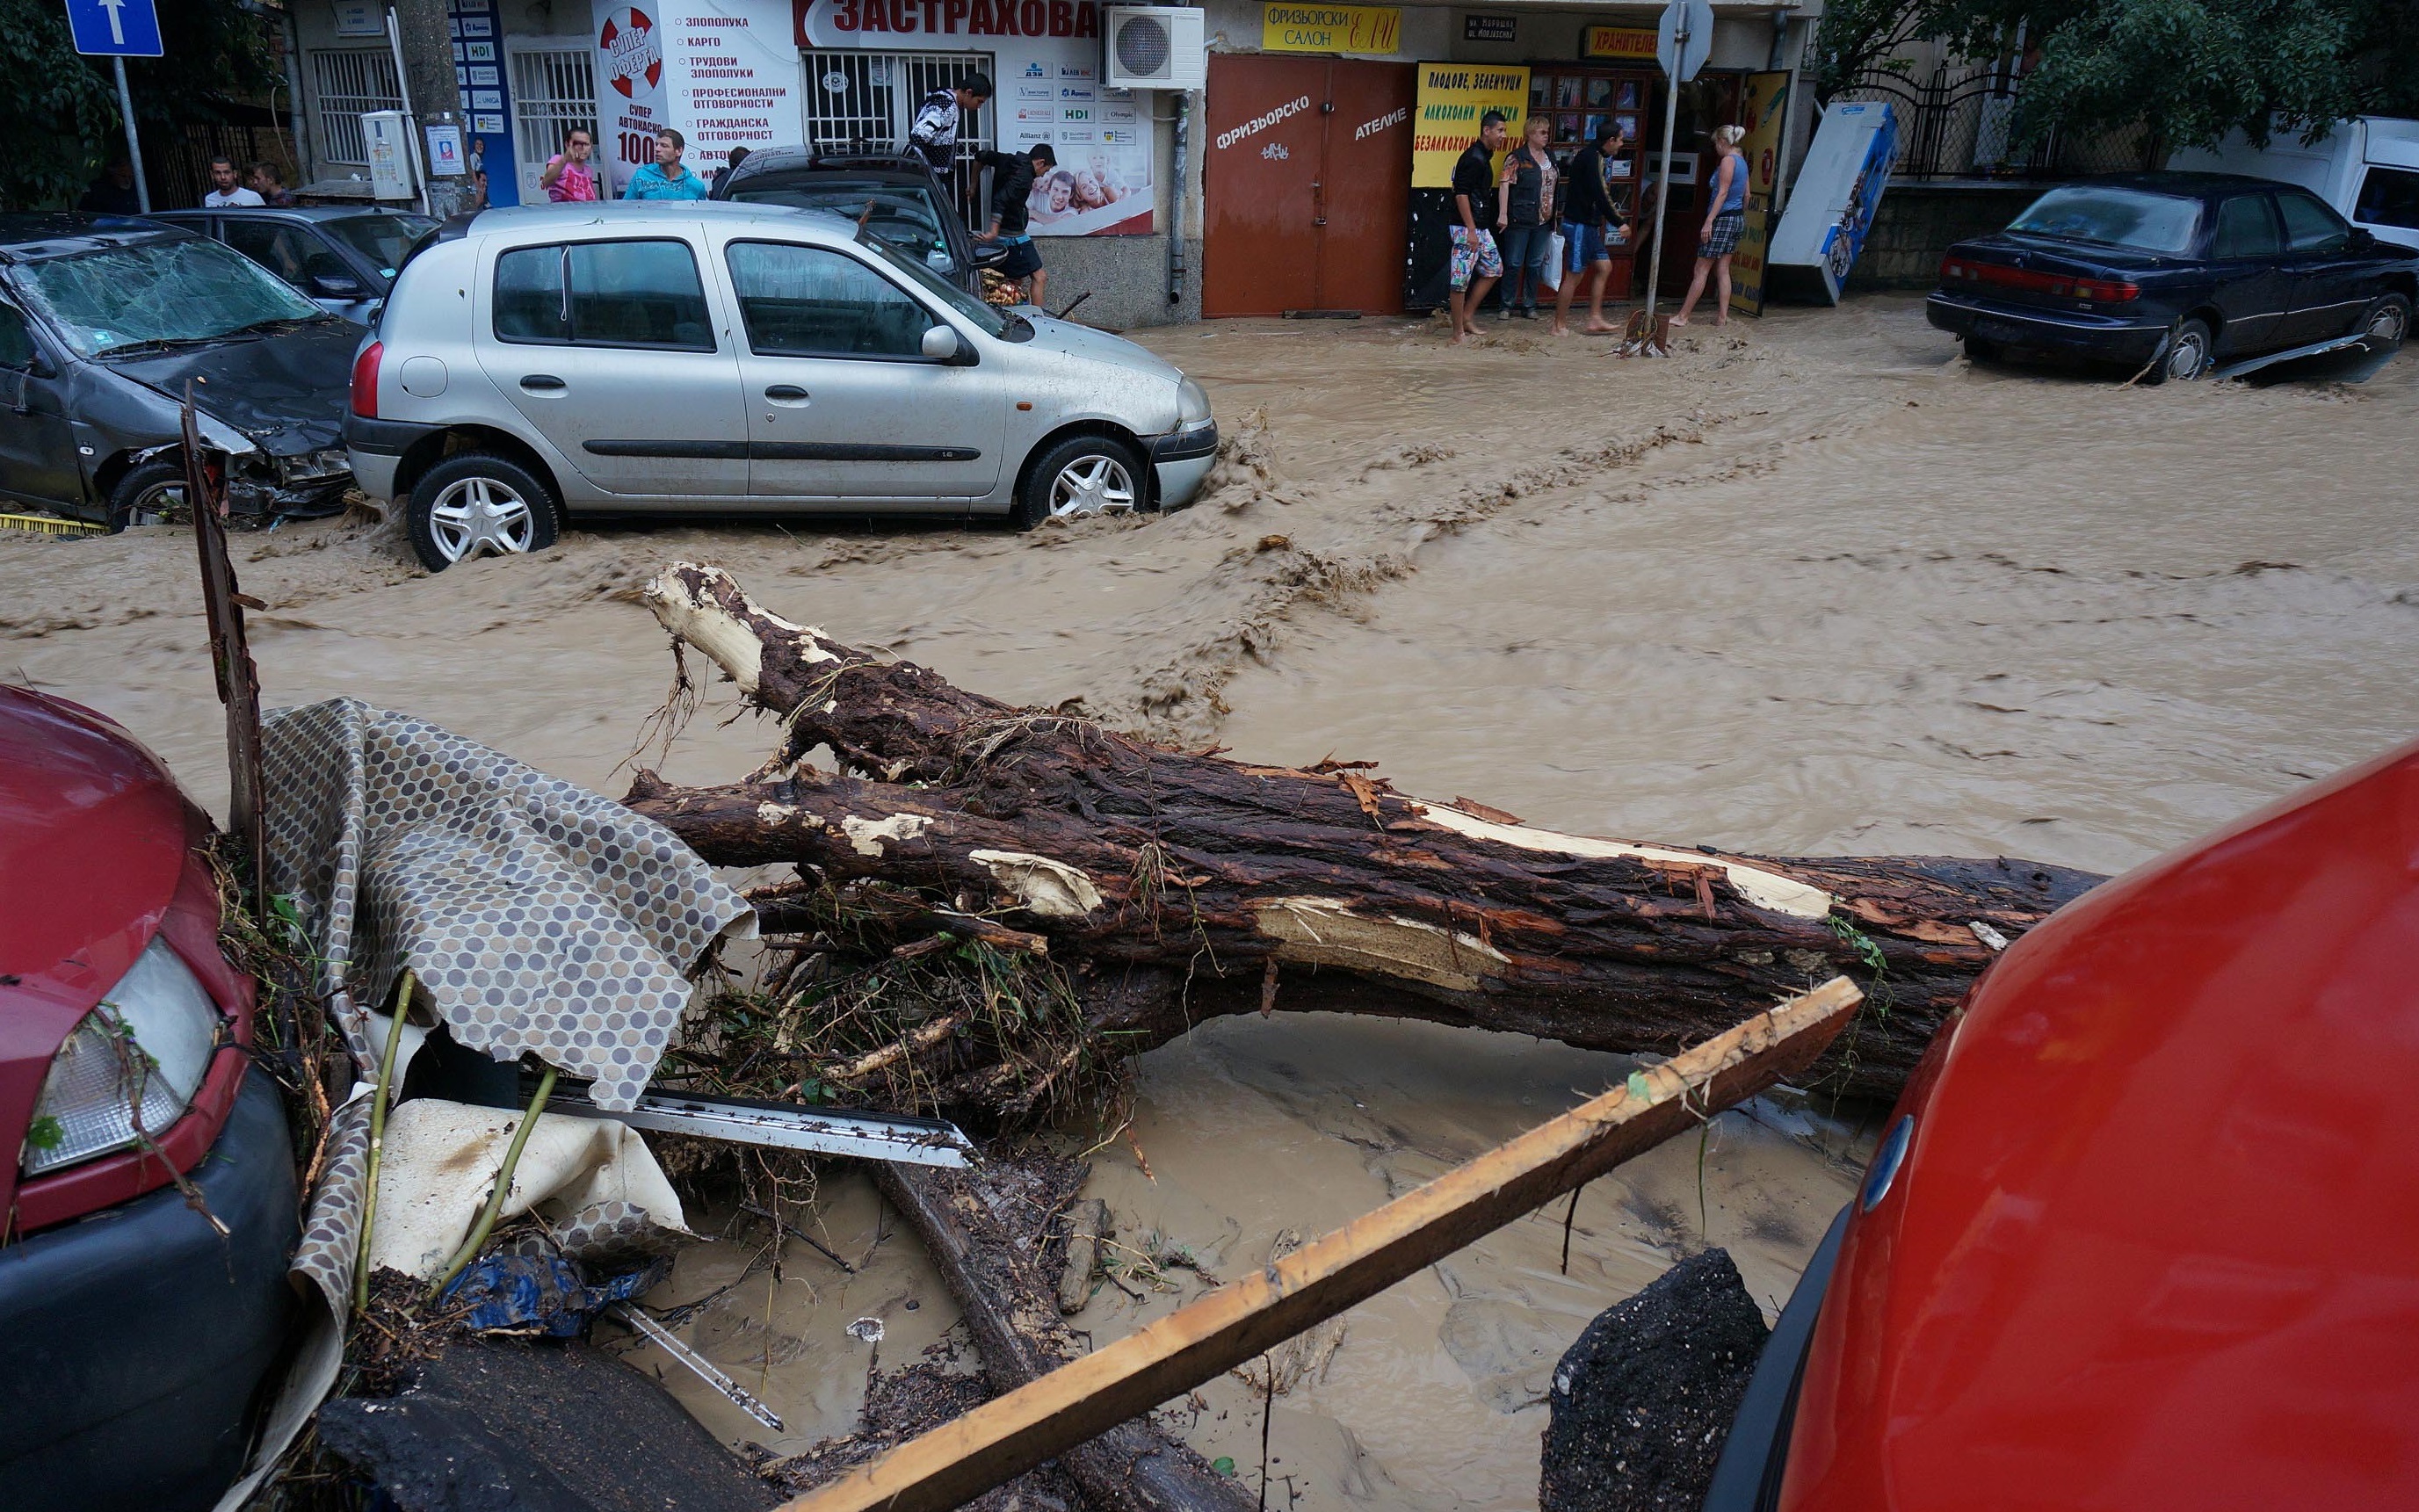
160 504
2389 323
476 515
1092 483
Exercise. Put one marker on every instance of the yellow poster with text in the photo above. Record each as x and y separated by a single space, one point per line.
1451 97
1330 28
1765 112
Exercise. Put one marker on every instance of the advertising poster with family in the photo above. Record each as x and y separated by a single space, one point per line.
726 73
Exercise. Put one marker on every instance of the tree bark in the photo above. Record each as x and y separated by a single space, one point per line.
1177 886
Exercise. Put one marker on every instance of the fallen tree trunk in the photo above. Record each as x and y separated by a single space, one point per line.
1012 1312
1176 886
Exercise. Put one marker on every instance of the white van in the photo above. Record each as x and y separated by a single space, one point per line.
2368 168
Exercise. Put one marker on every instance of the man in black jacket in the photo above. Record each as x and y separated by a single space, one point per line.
1012 193
1587 211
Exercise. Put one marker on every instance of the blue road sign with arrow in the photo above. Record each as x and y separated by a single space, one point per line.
115 28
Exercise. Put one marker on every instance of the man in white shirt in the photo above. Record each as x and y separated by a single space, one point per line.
224 190
934 134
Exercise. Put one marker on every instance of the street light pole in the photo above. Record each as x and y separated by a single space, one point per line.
133 143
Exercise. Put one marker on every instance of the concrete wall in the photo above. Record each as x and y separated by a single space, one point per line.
1917 224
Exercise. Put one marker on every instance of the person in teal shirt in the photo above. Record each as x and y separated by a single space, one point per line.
666 178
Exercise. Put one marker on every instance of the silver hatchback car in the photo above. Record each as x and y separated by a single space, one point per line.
708 357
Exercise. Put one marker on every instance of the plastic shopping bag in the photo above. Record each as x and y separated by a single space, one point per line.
1554 253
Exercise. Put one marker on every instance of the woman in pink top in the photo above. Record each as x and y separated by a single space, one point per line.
569 176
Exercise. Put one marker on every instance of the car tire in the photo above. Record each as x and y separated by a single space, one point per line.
477 504
2187 356
2387 322
1984 349
151 493
1081 475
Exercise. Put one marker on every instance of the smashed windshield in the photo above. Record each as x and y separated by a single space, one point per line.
159 291
904 214
2114 218
382 237
993 322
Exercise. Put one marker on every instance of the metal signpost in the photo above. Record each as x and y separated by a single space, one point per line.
1682 39
119 30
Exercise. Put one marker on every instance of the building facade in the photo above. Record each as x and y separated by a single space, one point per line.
1288 184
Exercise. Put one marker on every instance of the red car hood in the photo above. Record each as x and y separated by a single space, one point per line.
93 840
2157 1239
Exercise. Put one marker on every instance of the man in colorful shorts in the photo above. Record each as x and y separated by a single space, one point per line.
1476 263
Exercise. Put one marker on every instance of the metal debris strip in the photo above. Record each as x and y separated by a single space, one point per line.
699 1364
780 1126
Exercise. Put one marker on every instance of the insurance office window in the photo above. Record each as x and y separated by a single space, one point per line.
812 301
603 294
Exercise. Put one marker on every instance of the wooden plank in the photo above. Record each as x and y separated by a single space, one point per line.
1011 1434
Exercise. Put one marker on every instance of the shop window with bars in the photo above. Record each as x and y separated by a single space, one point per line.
554 91
350 84
866 102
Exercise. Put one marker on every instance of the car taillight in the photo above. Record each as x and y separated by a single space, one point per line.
140 1055
2056 285
366 369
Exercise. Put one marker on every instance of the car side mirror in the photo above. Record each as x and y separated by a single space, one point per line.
337 286
2362 240
941 344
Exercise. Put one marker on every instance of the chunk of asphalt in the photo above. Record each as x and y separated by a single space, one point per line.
1639 1405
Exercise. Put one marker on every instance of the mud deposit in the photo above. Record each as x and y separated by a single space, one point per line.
1813 585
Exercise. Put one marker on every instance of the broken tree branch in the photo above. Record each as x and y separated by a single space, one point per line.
1202 876
1123 1464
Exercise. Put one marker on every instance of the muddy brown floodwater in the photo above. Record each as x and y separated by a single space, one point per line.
1813 585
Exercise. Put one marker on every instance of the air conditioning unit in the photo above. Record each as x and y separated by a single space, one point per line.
1153 47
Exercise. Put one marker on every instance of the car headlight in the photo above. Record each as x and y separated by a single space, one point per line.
1191 406
143 1051
311 466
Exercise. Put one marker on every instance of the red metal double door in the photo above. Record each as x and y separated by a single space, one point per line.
1308 180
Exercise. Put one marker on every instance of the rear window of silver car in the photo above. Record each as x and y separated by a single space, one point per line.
2108 216
638 293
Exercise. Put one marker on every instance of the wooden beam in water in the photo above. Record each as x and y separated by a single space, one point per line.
1006 1437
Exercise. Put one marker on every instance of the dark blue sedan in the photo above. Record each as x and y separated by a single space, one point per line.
2175 273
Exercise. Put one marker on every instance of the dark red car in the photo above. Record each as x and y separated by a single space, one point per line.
2144 1230
135 1336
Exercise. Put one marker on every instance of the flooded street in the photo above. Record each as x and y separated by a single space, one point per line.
1816 585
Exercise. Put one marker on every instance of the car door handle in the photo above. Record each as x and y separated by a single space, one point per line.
786 394
543 383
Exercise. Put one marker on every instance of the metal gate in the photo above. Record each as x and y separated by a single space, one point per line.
554 90
865 101
1307 178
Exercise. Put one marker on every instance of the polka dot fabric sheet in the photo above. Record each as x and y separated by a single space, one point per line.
536 916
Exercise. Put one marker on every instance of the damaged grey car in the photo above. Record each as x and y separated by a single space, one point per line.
104 323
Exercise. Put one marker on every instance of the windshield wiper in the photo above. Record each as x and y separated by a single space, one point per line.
154 344
286 322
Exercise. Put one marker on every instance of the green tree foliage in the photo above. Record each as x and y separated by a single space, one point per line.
58 111
2190 70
